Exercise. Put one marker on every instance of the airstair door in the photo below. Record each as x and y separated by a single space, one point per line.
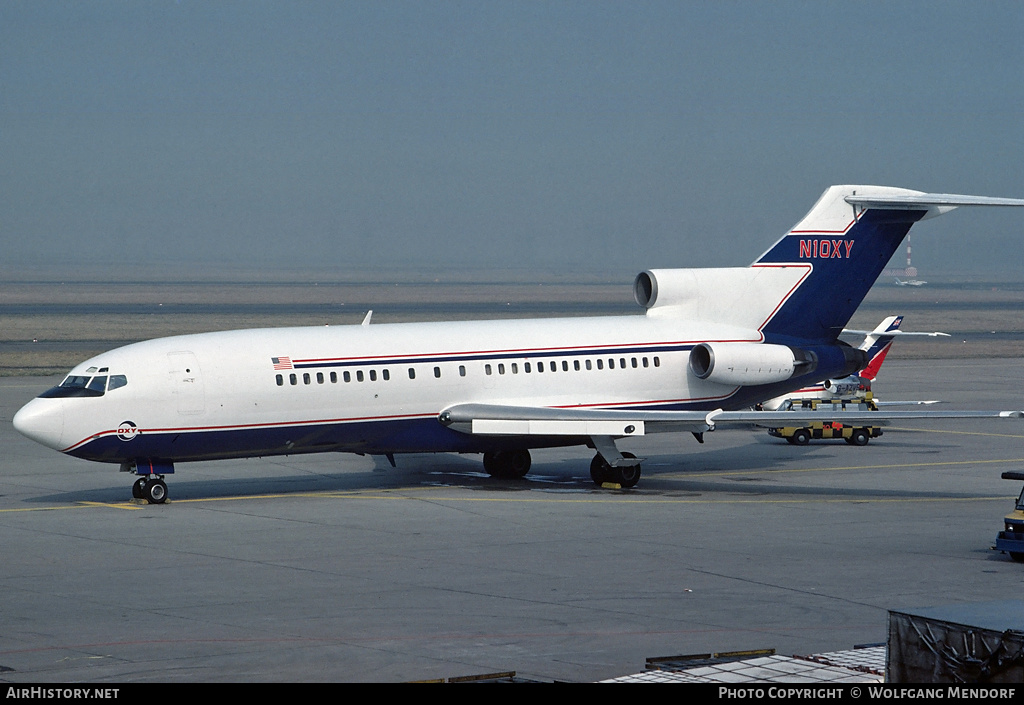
186 382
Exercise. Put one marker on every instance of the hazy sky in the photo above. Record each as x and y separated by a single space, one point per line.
590 136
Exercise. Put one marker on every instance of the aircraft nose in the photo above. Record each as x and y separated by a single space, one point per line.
42 420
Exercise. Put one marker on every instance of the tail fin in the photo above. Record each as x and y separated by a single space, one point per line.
876 344
848 237
878 341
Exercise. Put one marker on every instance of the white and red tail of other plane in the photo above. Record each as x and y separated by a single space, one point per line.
876 345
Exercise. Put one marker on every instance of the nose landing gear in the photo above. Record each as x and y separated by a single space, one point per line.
150 486
153 489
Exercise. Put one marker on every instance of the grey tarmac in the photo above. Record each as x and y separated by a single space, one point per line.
341 568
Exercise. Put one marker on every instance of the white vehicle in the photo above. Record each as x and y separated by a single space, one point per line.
857 386
713 342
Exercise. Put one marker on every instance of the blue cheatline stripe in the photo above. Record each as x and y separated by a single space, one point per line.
517 355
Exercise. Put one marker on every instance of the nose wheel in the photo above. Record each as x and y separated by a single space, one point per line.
153 489
150 486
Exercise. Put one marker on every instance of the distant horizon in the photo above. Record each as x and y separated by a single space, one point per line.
580 137
213 273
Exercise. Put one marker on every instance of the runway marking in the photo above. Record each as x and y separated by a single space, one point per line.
118 505
960 433
756 471
360 494
413 492
74 505
406 494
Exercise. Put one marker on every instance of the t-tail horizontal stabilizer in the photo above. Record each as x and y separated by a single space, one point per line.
848 238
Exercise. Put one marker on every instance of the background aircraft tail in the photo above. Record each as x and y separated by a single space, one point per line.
877 344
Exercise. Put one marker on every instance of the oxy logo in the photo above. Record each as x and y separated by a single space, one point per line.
126 431
825 249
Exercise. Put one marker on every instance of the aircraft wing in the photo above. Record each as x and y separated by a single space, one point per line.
499 420
907 403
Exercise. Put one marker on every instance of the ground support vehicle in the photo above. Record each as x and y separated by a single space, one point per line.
854 435
1011 539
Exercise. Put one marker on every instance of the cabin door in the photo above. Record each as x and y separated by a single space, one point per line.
186 382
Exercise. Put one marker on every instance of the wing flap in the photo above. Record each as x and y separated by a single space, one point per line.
556 427
499 420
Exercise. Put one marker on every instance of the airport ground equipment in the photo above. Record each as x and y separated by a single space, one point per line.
961 644
1011 538
854 435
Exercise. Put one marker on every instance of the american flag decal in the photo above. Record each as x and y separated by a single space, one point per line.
282 363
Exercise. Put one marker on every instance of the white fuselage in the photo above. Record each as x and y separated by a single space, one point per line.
360 387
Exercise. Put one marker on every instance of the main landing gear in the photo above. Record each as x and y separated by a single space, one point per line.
150 486
514 464
601 471
507 464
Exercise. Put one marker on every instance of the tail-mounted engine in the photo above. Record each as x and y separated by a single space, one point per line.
849 386
750 363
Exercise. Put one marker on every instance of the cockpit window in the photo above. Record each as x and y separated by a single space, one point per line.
84 386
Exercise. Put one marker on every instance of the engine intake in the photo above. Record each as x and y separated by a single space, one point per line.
746 364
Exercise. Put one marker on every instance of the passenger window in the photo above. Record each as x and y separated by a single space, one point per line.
540 366
588 365
576 365
280 381
657 362
359 375
347 376
487 369
412 373
600 364
437 372
553 366
622 363
515 368
526 367
305 378
293 379
334 378
386 375
373 375
462 370
319 377
645 362
611 363
501 368
117 381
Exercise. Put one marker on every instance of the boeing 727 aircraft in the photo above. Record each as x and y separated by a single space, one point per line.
712 343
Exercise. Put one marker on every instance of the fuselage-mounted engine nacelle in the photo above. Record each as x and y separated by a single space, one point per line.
849 386
748 364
